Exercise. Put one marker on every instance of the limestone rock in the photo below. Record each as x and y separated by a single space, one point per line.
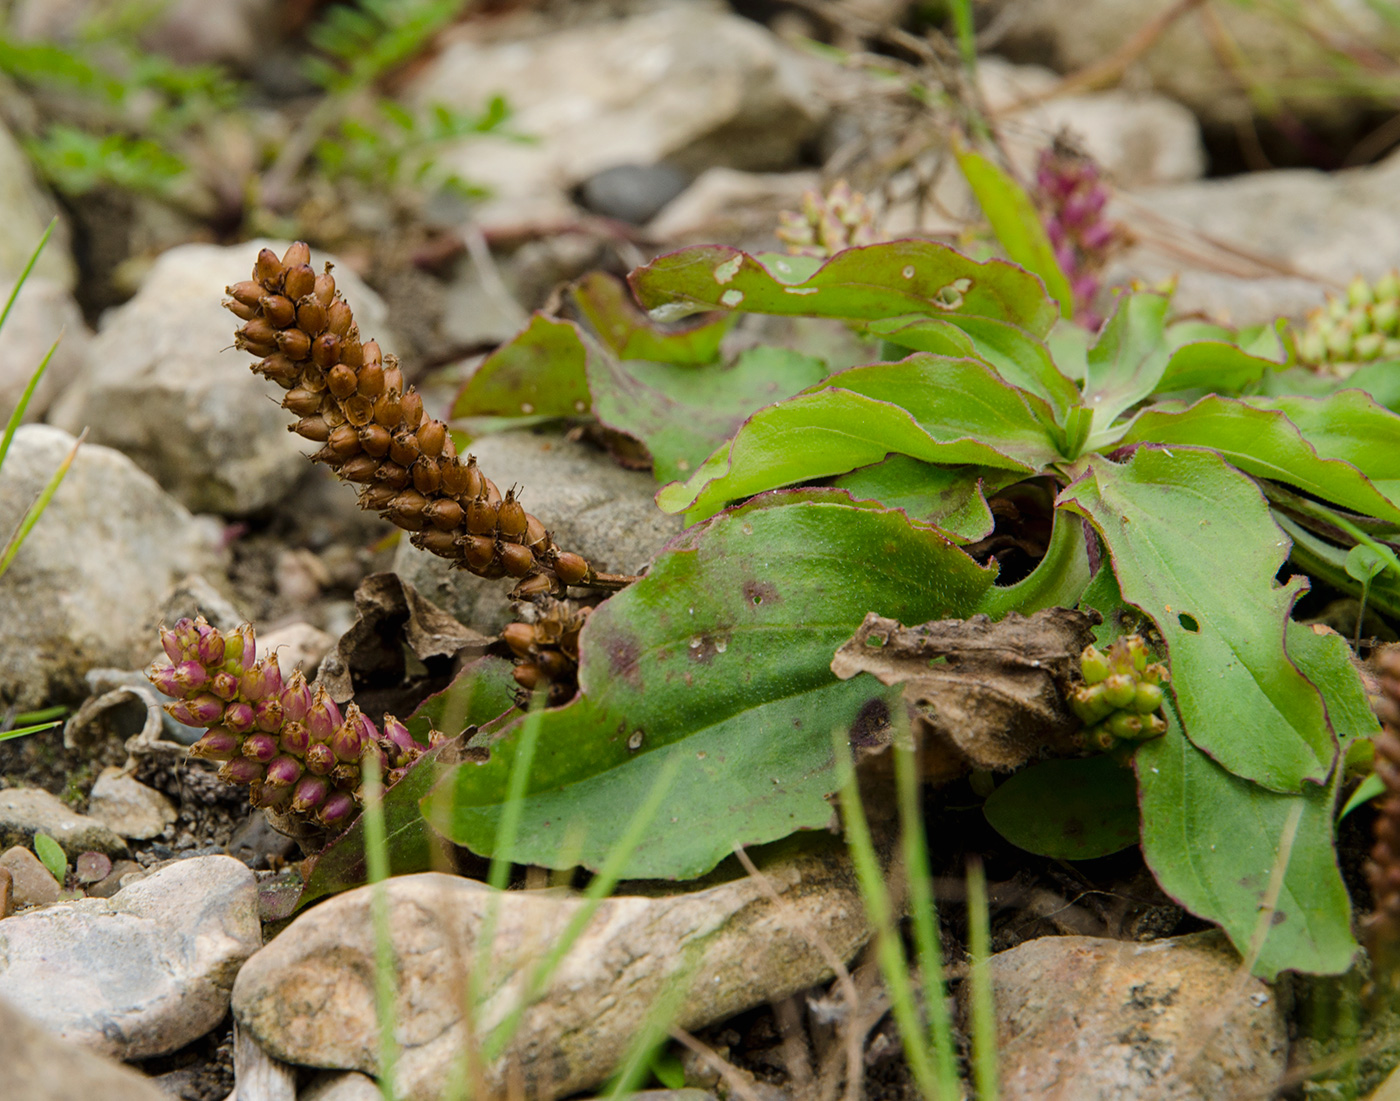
164 384
41 1067
142 973
86 586
128 807
688 84
591 506
308 996
27 811
350 1086
724 204
32 883
43 311
1088 1019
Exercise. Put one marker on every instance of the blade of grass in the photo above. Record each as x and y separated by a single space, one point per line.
43 715
29 267
890 953
661 1015
984 1021
23 731
31 517
12 426
385 970
966 33
924 917
600 888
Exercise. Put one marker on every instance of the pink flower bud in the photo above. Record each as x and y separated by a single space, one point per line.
240 649
310 792
269 714
337 809
224 684
347 742
320 759
296 698
201 710
283 772
405 749
165 679
218 744
239 716
260 747
296 739
171 645
261 681
324 717
209 651
191 677
240 770
186 633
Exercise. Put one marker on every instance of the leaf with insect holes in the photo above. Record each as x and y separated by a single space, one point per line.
859 284
1215 843
1076 809
722 650
1194 547
607 305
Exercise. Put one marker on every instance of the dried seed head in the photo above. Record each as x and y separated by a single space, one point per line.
299 282
311 316
294 343
278 309
268 270
341 381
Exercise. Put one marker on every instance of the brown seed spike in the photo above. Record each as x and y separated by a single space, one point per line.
512 521
294 343
573 569
299 282
297 254
431 435
443 514
278 309
268 270
247 292
517 560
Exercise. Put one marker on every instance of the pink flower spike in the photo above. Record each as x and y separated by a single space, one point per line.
239 717
201 710
260 747
283 772
310 792
338 807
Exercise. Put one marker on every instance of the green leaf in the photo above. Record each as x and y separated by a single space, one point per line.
51 855
951 498
1213 842
1193 545
1070 810
1365 791
723 649
1363 563
939 410
1059 579
540 372
1268 444
1325 659
25 731
1214 366
859 284
1127 361
607 305
482 692
682 413
1326 562
1352 427
1016 223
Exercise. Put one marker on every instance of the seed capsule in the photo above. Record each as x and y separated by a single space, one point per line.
309 793
312 428
218 744
372 352
553 664
351 350
479 551
258 331
536 538
375 439
324 289
299 282
279 369
453 477
312 377
528 676
442 542
361 468
511 518
339 318
260 747
520 637
481 516
537 584
240 770
278 309
1094 665
311 316
246 293
268 270
343 442
387 411
393 377
431 435
443 514
377 497
340 380
294 343
408 505
1147 699
412 408
359 410
392 474
426 477
325 350
371 380
404 448
298 253
241 311
517 560
573 569
302 402
336 810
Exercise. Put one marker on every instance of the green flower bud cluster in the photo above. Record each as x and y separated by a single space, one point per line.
1361 326
1121 697
285 740
827 225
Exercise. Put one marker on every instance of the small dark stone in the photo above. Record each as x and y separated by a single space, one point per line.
632 192
258 845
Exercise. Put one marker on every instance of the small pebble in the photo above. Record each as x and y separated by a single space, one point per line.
123 873
34 885
128 807
7 884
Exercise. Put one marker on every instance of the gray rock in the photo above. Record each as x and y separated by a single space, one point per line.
591 505
164 384
142 973
128 807
86 586
1323 227
724 204
1088 1019
27 811
42 312
350 1086
688 83
1184 63
28 209
632 192
41 1067
309 995
32 883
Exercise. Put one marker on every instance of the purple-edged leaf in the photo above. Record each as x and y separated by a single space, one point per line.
1070 810
1268 444
542 371
1194 547
938 410
1212 365
606 303
722 654
1126 362
1213 841
859 284
483 691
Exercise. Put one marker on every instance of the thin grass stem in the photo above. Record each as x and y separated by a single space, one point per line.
983 1014
385 969
31 516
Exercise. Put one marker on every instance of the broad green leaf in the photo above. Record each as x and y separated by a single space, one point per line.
483 691
1069 348
1365 791
1326 562
1325 659
1214 366
1350 426
1070 810
1018 357
951 498
1268 444
859 284
542 371
1181 333
1213 841
606 303
683 413
51 855
1193 545
939 410
1016 223
1059 580
723 649
1126 362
